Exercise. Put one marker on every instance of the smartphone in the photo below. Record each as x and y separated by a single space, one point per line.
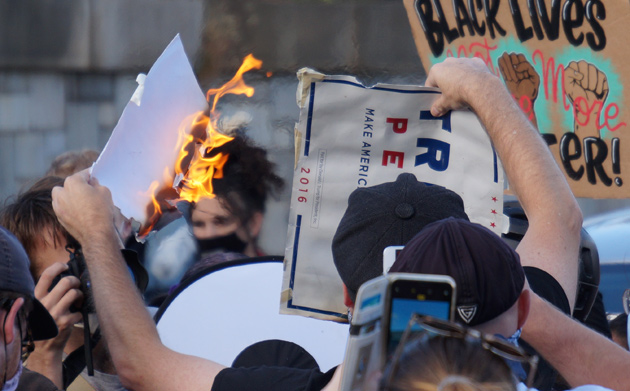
382 310
432 295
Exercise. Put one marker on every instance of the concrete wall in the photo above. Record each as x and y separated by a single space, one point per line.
68 68
92 35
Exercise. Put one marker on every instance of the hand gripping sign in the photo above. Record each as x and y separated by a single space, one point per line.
350 136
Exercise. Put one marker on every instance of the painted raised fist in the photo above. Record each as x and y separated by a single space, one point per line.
522 80
587 89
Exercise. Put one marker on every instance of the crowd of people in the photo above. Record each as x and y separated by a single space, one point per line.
513 305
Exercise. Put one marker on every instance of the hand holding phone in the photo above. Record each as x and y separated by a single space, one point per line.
382 309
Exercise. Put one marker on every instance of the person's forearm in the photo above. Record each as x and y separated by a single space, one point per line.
537 181
128 329
580 355
86 210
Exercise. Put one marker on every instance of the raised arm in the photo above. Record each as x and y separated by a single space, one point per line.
86 210
581 355
555 220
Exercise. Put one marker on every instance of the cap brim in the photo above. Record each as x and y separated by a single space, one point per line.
41 323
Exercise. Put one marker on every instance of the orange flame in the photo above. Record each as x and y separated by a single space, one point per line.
157 209
196 167
237 84
197 180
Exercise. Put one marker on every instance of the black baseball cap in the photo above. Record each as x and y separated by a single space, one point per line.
487 271
16 277
389 214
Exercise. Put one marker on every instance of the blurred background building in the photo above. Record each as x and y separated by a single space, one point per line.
68 68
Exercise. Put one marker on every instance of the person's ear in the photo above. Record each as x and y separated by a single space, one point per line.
524 302
9 323
254 225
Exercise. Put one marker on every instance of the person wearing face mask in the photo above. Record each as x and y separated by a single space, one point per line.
231 221
217 229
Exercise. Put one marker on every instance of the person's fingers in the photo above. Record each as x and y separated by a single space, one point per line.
430 81
77 179
439 107
94 181
67 319
85 174
72 297
61 311
46 278
64 285
74 318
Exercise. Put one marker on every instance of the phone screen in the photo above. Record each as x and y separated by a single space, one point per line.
423 297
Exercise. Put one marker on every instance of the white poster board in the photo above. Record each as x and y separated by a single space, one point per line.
350 136
145 143
222 313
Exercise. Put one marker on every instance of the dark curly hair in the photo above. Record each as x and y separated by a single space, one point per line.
248 178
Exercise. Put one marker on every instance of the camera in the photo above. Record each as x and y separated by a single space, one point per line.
78 269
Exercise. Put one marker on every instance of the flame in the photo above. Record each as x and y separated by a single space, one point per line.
237 84
196 166
155 205
197 180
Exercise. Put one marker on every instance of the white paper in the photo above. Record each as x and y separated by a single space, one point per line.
344 141
144 143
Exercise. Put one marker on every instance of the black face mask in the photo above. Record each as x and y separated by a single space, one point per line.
227 243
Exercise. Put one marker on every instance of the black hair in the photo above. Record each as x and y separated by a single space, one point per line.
248 178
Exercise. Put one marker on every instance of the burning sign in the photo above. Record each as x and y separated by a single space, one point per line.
159 152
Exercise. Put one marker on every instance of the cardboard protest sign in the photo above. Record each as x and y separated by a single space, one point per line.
562 60
350 136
